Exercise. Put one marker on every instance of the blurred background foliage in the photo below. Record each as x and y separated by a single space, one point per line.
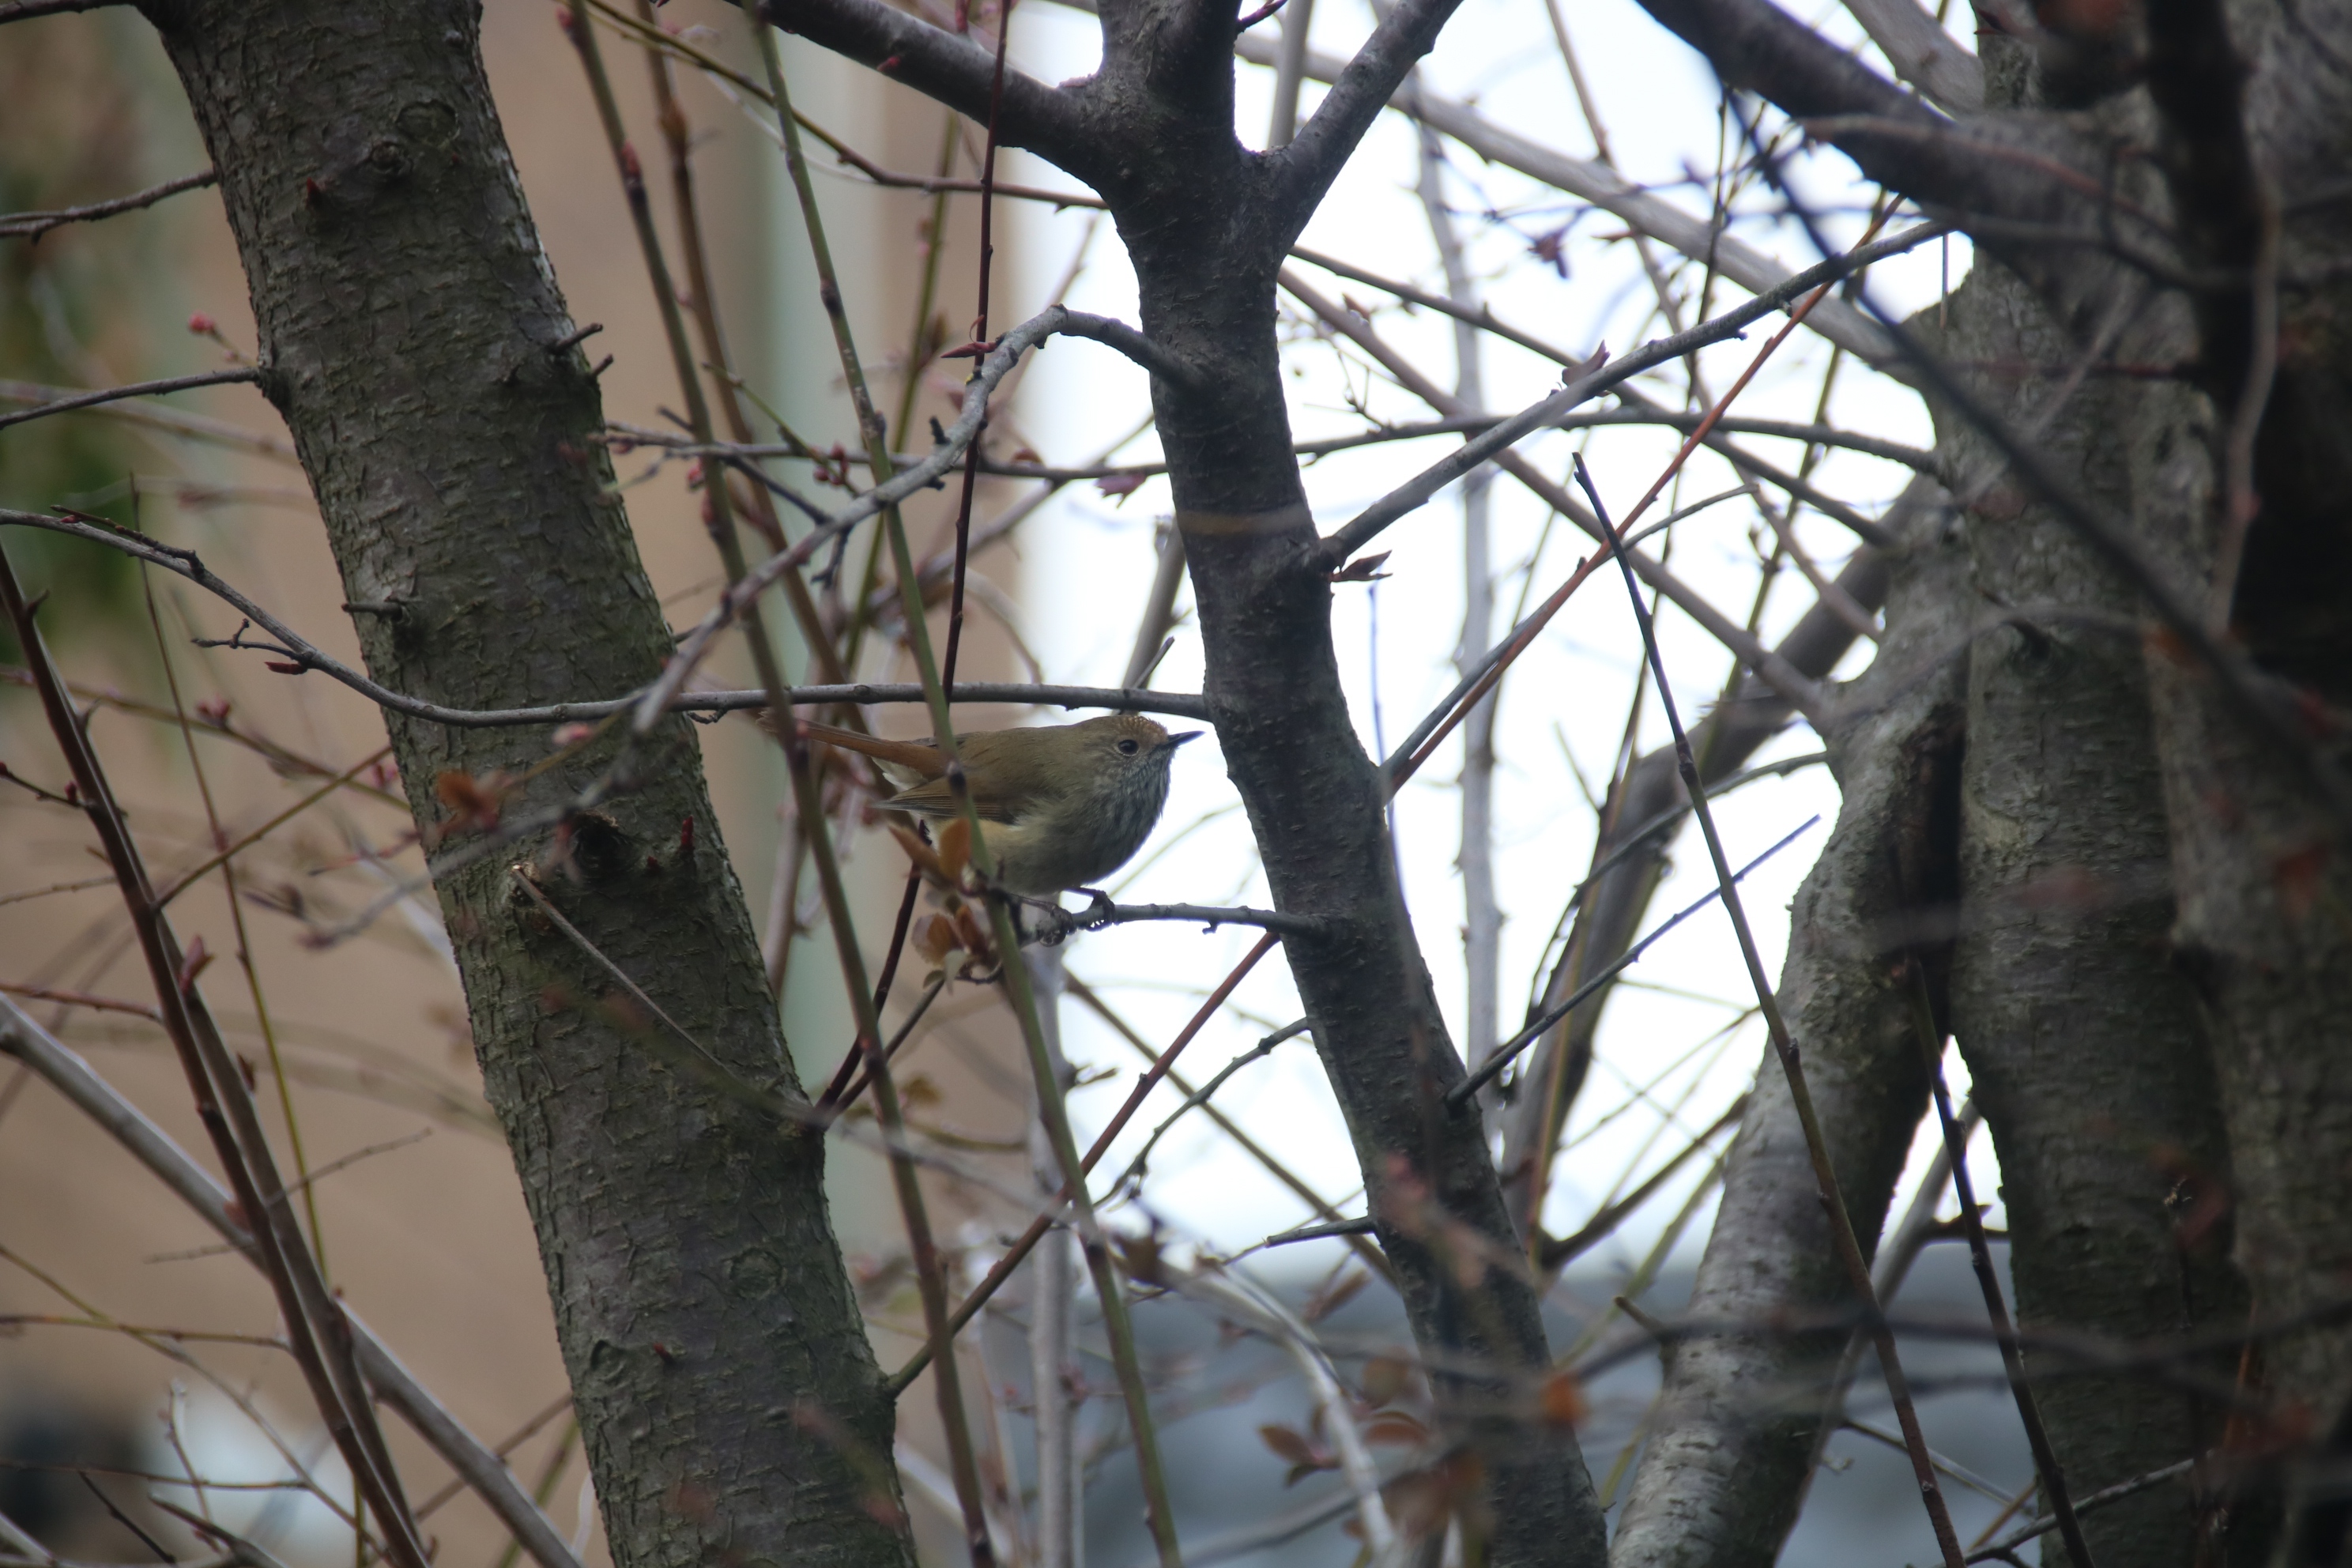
82 305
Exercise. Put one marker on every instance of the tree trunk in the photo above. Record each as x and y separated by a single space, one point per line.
409 330
2264 930
2083 1042
1733 1441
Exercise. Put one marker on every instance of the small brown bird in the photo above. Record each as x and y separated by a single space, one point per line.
1064 805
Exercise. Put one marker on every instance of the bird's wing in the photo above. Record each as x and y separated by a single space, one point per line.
933 798
917 757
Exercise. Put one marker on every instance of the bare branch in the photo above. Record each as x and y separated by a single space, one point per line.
1695 236
1802 692
19 10
1841 1228
1366 524
1304 169
1107 913
195 427
136 389
1922 53
481 1469
1050 122
32 225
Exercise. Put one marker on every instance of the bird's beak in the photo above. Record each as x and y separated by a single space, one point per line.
1180 737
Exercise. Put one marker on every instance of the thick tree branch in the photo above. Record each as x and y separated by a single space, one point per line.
1922 53
361 158
1304 169
1722 1475
1756 47
1048 121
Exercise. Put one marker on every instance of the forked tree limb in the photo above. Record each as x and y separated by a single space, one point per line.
1723 1473
1207 226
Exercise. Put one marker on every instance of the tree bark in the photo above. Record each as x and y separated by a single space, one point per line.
408 324
1721 1478
2263 925
2083 1042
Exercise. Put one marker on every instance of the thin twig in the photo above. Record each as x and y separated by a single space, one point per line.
2029 1410
1366 524
242 374
477 1466
318 1337
930 1270
2273 706
290 647
1163 1064
2097 1500
1509 1049
32 225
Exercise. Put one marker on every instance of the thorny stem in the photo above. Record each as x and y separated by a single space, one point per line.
2029 1411
1841 1233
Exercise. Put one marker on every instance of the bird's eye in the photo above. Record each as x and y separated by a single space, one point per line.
1126 747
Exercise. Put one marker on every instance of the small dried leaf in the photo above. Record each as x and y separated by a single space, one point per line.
1551 249
1385 1377
1396 1426
935 936
955 849
1561 1400
1363 569
921 853
1289 1445
1342 1290
473 803
1140 1256
1119 485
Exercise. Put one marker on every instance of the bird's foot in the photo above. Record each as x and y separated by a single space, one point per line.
1098 910
1051 925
